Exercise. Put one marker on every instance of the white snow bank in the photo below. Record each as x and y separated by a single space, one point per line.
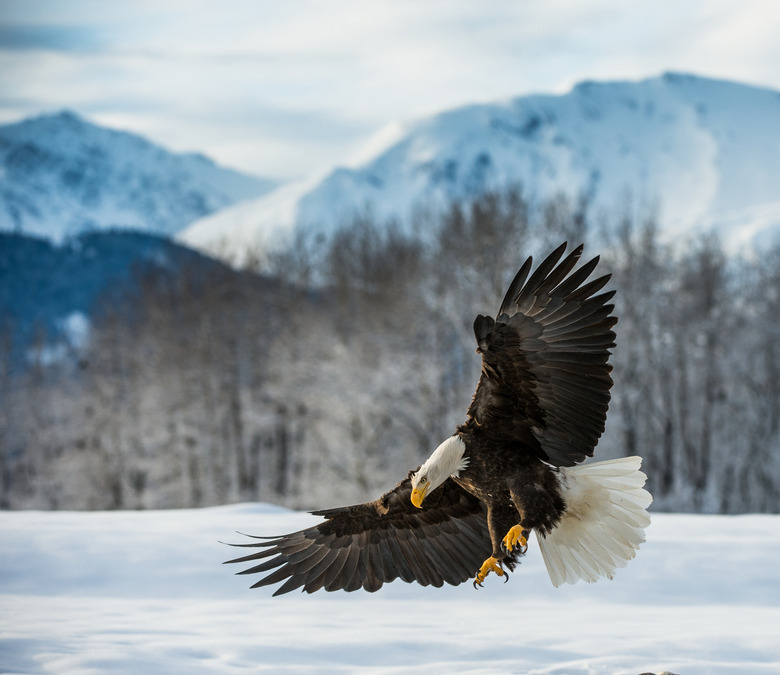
130 592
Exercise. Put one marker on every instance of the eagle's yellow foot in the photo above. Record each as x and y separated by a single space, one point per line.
515 536
491 564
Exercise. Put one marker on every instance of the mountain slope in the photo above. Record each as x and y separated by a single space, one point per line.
702 153
61 175
49 292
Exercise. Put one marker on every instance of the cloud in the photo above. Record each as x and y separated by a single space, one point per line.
293 87
48 37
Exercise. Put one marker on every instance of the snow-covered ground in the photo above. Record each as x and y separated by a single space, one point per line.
144 592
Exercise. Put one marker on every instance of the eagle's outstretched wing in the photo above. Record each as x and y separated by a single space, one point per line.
545 378
367 545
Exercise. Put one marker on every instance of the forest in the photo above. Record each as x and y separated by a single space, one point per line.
322 373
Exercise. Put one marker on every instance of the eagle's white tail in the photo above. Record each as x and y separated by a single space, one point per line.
604 522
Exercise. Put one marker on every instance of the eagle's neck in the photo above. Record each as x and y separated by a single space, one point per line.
447 460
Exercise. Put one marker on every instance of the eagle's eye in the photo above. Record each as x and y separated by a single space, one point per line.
423 480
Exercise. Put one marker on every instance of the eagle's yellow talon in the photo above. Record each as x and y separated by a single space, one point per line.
491 564
515 536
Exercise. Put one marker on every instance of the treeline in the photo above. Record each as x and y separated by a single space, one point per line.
324 376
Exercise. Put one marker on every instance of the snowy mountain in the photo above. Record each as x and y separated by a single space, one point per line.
61 175
699 153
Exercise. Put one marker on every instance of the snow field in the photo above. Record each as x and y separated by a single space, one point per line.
129 592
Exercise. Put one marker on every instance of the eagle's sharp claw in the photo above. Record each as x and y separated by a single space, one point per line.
516 536
490 565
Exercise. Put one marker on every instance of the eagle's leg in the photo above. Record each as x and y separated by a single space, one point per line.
490 565
516 535
501 515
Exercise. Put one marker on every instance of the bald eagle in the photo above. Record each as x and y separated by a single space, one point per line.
509 469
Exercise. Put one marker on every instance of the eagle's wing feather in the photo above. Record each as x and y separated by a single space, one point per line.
545 377
367 545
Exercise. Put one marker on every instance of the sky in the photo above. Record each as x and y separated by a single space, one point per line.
290 89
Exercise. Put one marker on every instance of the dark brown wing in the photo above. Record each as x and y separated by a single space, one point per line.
367 545
545 378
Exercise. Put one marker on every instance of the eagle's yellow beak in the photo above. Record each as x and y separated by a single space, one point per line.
418 494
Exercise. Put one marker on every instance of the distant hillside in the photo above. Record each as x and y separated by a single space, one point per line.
702 154
49 292
61 175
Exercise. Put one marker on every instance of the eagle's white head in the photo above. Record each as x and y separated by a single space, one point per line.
447 460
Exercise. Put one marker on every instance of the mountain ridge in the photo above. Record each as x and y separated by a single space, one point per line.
61 175
685 146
